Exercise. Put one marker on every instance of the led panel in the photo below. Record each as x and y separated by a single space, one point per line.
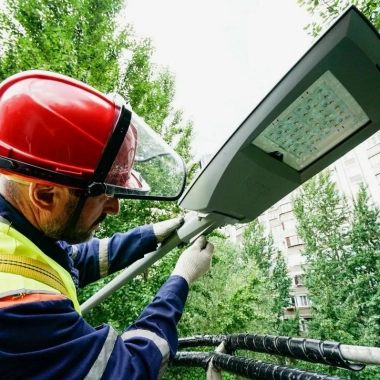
323 116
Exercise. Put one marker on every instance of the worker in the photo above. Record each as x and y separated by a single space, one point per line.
67 155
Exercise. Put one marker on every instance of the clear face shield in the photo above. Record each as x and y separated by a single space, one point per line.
136 163
145 167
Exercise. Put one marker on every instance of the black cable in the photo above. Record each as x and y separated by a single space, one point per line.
201 341
249 368
192 359
310 350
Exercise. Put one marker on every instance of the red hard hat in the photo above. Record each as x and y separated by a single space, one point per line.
55 129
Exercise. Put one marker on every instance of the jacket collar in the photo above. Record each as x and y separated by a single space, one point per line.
47 245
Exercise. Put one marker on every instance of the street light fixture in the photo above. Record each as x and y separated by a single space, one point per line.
327 104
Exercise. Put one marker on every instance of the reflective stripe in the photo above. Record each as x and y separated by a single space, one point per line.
103 257
5 221
13 243
26 298
74 252
11 284
33 269
161 344
100 364
24 291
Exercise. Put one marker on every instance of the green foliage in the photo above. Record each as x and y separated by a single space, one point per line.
87 40
257 246
328 10
272 266
342 249
70 37
207 310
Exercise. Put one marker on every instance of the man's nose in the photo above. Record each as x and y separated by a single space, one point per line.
112 206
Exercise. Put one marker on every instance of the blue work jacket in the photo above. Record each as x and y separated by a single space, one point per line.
49 339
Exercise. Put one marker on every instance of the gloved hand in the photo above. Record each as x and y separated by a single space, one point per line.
195 261
164 229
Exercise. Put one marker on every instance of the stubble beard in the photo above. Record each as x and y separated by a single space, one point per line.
57 229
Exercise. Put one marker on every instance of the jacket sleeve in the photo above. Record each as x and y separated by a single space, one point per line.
98 258
57 343
153 339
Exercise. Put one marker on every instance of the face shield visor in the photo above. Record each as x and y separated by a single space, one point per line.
145 166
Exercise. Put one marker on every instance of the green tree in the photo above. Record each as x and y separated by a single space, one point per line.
363 266
273 273
87 40
326 11
276 285
321 211
341 247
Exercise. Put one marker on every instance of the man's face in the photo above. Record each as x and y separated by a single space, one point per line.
94 212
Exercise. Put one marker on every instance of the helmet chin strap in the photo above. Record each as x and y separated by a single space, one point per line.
70 229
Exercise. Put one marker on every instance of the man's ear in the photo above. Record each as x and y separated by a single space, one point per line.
45 197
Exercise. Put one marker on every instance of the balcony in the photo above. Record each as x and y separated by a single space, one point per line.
303 312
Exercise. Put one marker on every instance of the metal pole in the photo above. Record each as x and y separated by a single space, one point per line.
194 226
129 273
212 372
367 355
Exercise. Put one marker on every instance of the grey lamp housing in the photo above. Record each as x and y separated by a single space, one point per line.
326 105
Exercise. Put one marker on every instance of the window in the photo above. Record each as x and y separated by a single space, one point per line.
303 325
261 219
276 229
378 178
302 301
273 214
375 160
299 280
350 161
240 226
372 141
356 178
293 240
294 259
286 207
289 224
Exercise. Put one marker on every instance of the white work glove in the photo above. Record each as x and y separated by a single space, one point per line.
164 229
195 261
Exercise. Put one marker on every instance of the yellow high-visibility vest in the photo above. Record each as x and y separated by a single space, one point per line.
24 268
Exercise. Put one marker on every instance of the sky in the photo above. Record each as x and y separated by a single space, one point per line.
226 55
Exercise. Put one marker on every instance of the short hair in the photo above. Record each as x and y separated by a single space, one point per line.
13 189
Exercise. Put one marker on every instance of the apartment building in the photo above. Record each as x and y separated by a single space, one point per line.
361 165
